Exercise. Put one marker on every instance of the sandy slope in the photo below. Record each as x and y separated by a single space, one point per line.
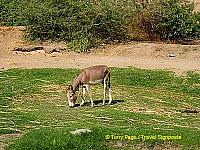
143 55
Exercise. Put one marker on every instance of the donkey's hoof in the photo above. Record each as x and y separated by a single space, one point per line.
93 105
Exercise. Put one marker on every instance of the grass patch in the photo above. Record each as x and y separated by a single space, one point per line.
146 102
49 138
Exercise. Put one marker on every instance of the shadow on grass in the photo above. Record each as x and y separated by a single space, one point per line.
189 111
99 103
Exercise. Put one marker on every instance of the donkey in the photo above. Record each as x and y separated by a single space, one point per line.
90 76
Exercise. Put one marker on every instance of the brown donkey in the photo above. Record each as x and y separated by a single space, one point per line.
87 77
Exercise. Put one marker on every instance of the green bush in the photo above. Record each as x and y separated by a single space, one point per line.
81 23
11 13
169 20
179 21
84 24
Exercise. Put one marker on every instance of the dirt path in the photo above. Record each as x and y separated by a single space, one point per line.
175 57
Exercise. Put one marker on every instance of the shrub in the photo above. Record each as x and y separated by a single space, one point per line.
179 21
81 23
11 13
168 20
145 20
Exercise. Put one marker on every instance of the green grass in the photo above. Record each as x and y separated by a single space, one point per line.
146 102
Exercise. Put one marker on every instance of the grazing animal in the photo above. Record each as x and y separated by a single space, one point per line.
87 77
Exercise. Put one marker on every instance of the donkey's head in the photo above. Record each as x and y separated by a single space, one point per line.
71 96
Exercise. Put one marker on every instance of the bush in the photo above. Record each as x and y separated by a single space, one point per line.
84 24
81 23
11 13
179 21
145 20
168 20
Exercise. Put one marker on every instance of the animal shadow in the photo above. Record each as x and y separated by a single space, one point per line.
76 105
99 103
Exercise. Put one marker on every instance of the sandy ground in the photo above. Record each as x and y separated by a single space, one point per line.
197 5
175 57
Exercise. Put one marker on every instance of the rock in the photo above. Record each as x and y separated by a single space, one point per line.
49 50
28 48
188 41
79 131
171 55
46 49
21 28
40 51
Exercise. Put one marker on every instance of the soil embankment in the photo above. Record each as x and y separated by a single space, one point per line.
175 57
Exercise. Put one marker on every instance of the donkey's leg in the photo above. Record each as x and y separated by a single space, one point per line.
109 93
110 96
104 91
83 95
90 95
